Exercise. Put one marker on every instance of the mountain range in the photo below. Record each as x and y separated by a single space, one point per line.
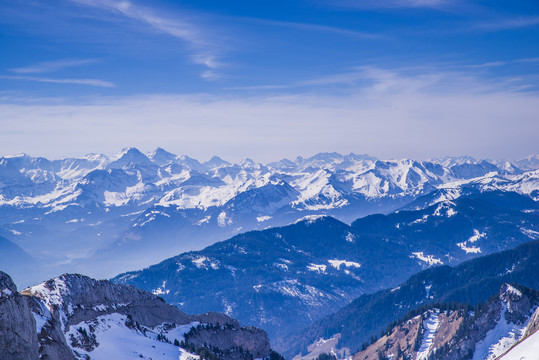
473 282
345 254
102 215
283 279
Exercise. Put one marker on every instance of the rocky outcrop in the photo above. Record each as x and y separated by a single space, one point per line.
460 334
408 340
533 325
69 317
18 339
77 298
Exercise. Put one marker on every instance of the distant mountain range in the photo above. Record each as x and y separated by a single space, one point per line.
101 215
282 279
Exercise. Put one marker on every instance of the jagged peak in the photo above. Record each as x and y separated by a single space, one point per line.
159 151
510 292
216 161
6 282
129 154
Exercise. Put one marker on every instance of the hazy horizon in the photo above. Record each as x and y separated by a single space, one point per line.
240 79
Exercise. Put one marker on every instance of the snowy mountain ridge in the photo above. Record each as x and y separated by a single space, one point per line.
363 174
455 333
74 317
98 206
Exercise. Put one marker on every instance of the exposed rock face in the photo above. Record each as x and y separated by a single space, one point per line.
70 317
408 339
458 335
78 298
18 340
401 340
533 326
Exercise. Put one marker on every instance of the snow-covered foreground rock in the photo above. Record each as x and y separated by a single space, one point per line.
135 209
76 317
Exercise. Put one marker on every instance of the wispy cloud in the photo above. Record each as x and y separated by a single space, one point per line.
50 66
314 27
204 50
434 4
392 114
492 64
507 23
435 75
91 82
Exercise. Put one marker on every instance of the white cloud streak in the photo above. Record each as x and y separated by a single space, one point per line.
205 51
394 115
508 23
50 66
90 82
435 4
313 27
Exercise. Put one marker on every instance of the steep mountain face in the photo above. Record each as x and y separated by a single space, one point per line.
528 347
458 334
135 209
282 279
75 317
18 339
471 282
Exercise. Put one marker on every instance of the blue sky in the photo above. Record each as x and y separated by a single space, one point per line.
269 79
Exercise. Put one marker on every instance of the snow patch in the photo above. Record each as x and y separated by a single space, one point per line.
337 264
429 259
469 249
317 268
526 350
430 327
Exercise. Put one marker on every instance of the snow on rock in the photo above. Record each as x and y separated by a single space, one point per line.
428 259
114 339
350 237
202 262
476 236
470 249
500 338
337 264
316 267
310 219
430 327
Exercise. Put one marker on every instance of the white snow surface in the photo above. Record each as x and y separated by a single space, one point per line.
499 339
337 263
430 326
471 249
316 267
428 259
528 349
117 341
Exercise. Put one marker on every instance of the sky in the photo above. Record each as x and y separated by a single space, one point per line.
270 79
